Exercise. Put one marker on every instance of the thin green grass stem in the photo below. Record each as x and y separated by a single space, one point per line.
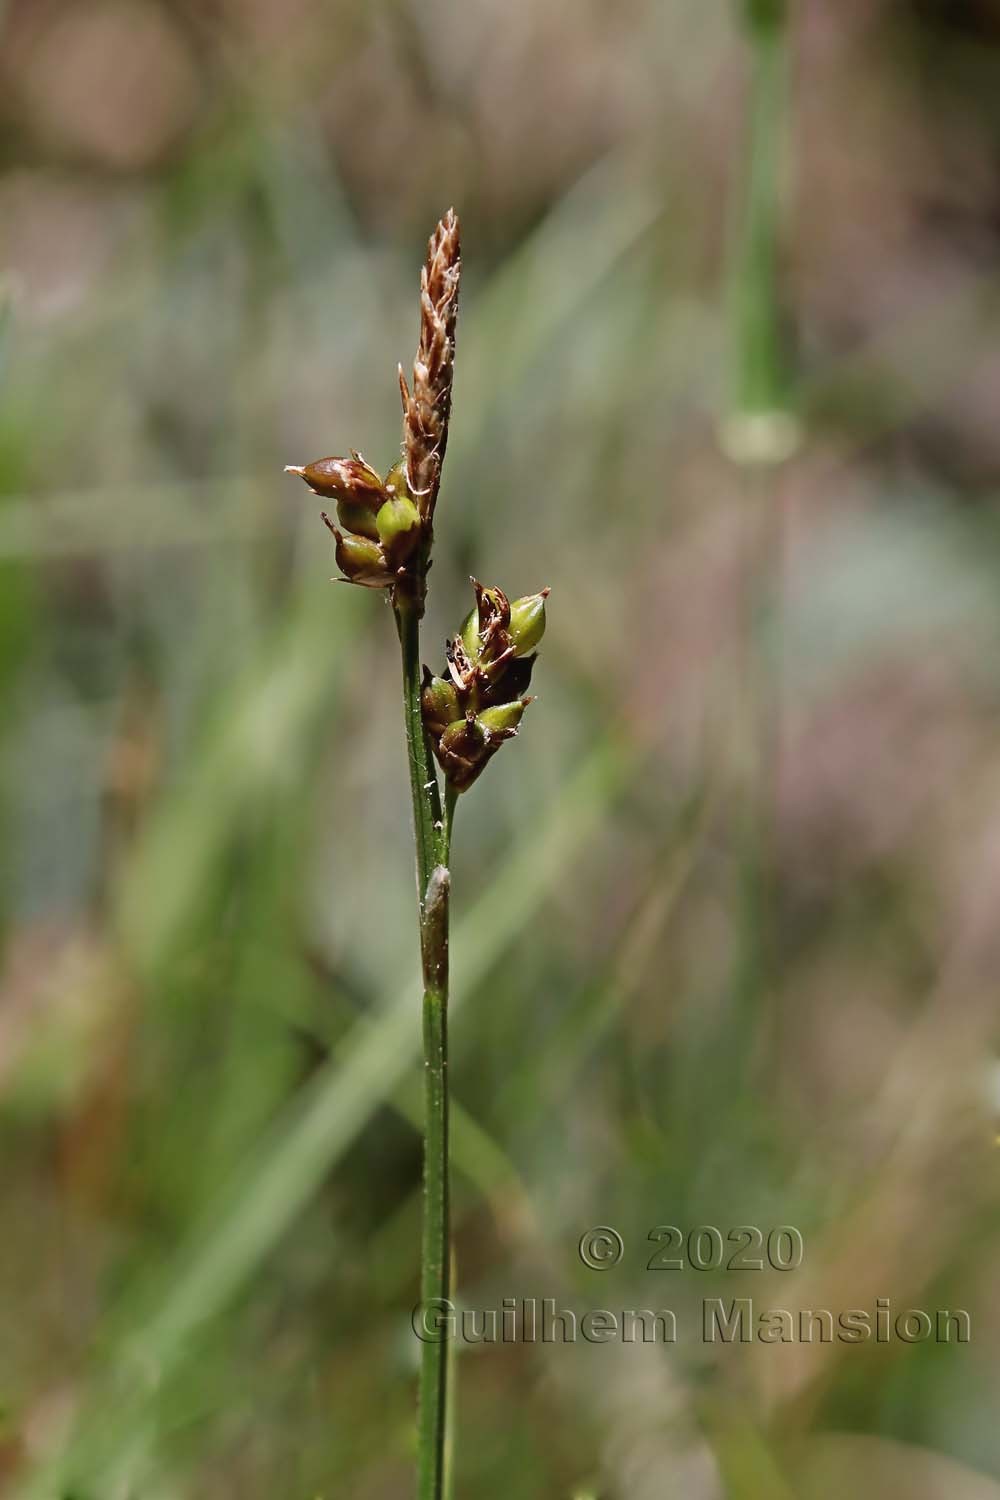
432 834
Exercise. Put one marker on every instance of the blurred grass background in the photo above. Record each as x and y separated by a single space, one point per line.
726 940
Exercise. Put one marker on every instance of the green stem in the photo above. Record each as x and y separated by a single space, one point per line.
760 385
428 822
432 833
763 391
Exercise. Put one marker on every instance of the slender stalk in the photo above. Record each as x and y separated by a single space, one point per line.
760 383
428 824
435 1271
432 835
762 433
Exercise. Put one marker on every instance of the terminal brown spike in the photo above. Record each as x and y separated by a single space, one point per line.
427 404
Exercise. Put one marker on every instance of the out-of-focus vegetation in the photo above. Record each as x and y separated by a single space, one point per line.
726 937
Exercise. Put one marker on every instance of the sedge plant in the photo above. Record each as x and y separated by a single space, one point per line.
383 534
